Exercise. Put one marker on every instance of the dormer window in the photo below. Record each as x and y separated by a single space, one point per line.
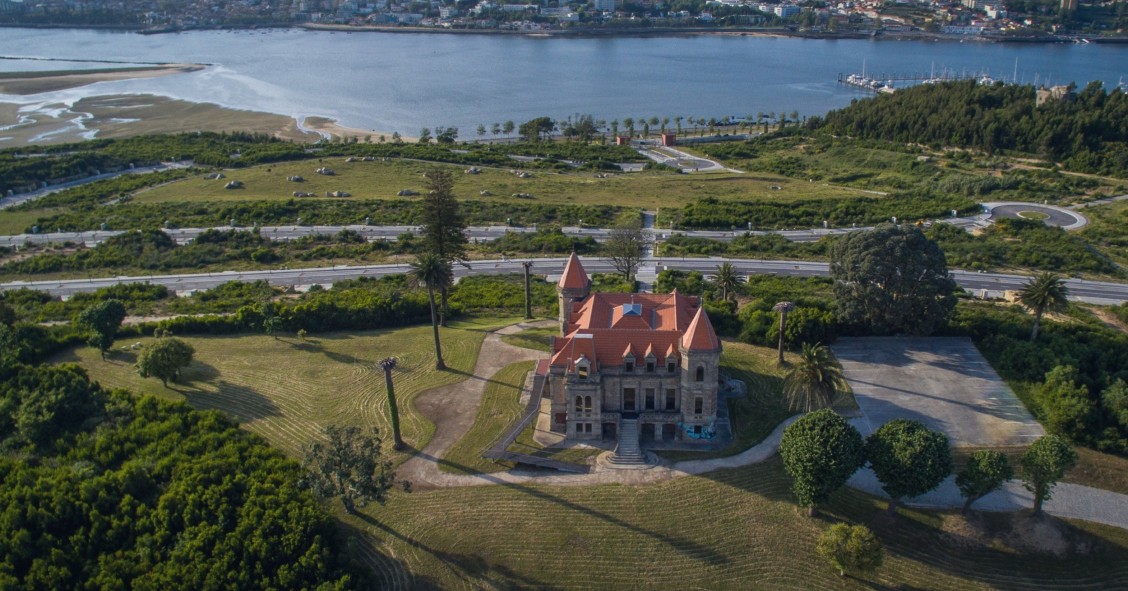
628 366
671 366
628 360
583 368
650 366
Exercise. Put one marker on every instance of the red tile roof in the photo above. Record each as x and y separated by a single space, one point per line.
574 276
601 328
700 335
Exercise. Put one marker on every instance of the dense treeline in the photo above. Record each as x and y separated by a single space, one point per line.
106 491
543 241
745 245
1072 378
208 214
1019 243
712 213
1088 133
153 250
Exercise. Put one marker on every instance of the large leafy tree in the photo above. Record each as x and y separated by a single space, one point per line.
908 459
812 382
1046 292
349 465
891 280
985 471
1044 463
535 130
444 227
820 452
850 548
164 359
625 247
101 322
432 272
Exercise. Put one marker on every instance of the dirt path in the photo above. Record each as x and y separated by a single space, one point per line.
453 408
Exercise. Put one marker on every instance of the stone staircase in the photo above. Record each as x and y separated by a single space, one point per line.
628 452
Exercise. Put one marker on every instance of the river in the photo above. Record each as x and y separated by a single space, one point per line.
404 82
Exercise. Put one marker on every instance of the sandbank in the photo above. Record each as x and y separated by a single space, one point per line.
26 83
116 116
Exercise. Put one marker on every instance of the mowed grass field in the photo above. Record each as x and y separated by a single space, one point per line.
384 179
287 390
732 529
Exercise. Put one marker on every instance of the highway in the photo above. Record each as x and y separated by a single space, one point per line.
994 284
474 233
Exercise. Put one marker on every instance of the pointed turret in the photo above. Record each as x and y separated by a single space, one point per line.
574 276
700 335
573 287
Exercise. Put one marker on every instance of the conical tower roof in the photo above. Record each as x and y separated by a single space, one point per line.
574 276
700 335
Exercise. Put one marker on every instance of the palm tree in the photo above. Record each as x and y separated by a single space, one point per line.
814 380
727 280
783 308
431 271
1046 291
389 363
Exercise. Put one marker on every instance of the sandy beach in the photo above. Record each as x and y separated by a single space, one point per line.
115 116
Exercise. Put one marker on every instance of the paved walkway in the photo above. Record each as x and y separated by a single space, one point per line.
453 409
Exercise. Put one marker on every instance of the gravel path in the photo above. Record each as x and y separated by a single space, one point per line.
453 409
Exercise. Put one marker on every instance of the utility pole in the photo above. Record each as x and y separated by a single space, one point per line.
528 303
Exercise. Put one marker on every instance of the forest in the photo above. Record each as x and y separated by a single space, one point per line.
104 490
1087 131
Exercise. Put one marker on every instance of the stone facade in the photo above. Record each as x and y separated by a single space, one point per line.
653 358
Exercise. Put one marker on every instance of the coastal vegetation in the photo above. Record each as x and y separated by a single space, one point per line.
1086 132
107 490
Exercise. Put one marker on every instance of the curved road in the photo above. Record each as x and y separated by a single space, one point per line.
1060 217
1095 292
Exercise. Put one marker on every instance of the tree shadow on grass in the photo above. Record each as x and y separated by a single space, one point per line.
316 346
240 402
680 545
466 566
920 536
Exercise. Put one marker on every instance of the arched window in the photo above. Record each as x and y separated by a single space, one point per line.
579 403
587 403
701 373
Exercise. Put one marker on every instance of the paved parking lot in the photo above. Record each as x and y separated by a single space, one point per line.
943 382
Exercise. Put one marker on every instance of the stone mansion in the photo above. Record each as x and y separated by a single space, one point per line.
632 365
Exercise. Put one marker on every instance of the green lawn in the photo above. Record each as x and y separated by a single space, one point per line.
382 180
287 390
500 408
532 338
733 529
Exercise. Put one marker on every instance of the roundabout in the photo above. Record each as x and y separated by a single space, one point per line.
1051 215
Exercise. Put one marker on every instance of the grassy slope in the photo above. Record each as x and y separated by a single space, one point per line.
382 180
286 390
734 529
731 529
